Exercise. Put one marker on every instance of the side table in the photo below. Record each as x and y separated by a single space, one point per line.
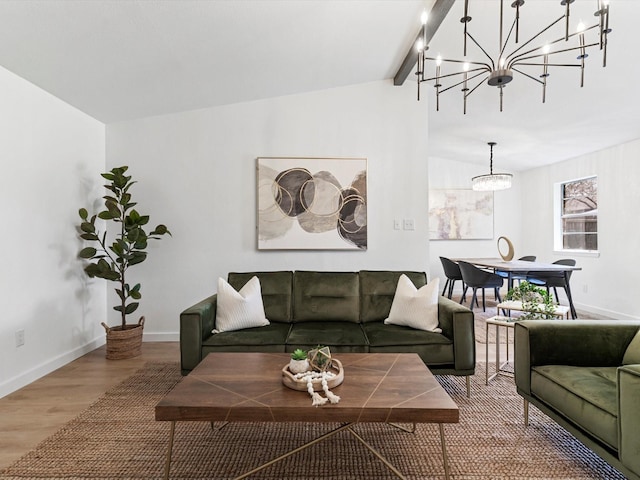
498 321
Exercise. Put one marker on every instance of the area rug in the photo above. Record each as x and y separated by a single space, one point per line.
118 438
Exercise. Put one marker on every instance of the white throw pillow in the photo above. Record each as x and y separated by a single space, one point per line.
415 308
238 310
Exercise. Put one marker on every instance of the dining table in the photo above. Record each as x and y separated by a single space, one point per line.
522 267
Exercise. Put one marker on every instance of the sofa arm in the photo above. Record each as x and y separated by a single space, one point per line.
587 343
629 417
457 323
196 324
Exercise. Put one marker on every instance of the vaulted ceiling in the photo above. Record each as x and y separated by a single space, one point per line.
118 60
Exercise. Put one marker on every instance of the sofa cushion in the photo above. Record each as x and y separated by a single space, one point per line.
327 296
239 310
433 348
276 292
415 308
585 395
273 334
632 353
339 336
377 289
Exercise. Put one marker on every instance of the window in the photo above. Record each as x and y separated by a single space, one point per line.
577 210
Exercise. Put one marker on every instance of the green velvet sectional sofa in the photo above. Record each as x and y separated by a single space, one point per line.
578 373
343 310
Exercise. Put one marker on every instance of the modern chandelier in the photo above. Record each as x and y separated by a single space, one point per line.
491 181
512 55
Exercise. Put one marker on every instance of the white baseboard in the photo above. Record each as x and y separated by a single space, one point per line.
49 366
161 337
604 312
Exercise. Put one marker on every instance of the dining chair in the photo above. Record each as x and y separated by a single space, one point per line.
519 276
476 278
554 280
453 274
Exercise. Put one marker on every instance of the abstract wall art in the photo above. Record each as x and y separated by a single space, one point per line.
460 215
312 203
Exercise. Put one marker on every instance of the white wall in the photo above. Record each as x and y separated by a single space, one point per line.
197 174
451 174
50 154
607 283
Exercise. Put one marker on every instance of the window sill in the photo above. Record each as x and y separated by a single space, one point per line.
577 253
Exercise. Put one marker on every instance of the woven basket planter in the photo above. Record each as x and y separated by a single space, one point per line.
124 343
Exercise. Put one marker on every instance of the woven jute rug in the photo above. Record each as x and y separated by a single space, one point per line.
118 438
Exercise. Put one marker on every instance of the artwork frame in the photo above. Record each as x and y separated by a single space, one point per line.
460 214
312 203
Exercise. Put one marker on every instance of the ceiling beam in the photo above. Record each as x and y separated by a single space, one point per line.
436 16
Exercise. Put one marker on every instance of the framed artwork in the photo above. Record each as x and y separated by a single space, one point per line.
460 215
312 203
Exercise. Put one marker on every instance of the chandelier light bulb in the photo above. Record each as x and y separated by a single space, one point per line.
546 48
439 60
419 45
424 17
502 62
465 66
580 27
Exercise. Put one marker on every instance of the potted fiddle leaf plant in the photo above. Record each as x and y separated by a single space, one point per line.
111 259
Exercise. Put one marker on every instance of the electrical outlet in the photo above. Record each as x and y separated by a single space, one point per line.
397 224
409 224
19 338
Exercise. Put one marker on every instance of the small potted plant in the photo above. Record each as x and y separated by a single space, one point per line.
111 260
536 301
299 362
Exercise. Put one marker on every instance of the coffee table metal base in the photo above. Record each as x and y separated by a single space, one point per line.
347 426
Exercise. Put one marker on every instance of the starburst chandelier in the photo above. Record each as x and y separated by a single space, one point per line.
512 56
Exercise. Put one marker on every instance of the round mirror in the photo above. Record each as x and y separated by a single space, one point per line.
507 257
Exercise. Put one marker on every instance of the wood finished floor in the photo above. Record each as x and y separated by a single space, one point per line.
33 413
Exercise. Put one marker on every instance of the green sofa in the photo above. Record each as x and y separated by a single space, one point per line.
343 310
573 371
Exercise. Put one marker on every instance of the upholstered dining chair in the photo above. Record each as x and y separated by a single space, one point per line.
476 278
554 280
453 274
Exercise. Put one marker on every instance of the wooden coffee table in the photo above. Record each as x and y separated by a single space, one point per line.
247 387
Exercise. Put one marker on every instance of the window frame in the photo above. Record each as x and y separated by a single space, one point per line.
558 232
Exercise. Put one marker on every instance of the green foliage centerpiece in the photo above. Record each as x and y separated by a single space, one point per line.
536 301
111 260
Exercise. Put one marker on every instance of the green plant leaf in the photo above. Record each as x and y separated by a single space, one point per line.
117 249
83 213
87 252
92 270
105 215
87 227
137 257
135 295
133 235
92 237
108 176
132 307
160 230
